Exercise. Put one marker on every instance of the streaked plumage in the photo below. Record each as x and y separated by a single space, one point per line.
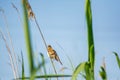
52 54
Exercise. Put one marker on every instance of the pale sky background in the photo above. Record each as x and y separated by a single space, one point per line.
63 25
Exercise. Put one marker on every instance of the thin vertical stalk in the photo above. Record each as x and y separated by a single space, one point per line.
45 44
32 15
27 38
44 68
10 55
11 43
23 71
40 32
17 12
91 54
117 58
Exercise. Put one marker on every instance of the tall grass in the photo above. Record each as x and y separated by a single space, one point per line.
85 69
28 38
10 55
91 54
88 66
23 70
32 15
117 58
33 69
10 49
18 12
103 73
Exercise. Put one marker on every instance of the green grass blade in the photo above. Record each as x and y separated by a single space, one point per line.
27 38
78 69
103 74
117 58
87 71
49 76
36 70
43 61
23 71
89 29
91 54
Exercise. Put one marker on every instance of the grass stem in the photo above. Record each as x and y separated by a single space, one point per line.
11 43
27 38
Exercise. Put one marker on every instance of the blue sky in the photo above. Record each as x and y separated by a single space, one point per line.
63 24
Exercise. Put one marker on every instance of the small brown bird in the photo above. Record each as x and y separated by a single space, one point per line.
52 54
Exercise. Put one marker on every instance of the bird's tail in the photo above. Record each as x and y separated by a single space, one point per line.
58 59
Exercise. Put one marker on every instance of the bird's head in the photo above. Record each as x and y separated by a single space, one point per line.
49 46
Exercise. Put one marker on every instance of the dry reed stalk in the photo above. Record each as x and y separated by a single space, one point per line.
10 55
11 43
17 12
32 15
